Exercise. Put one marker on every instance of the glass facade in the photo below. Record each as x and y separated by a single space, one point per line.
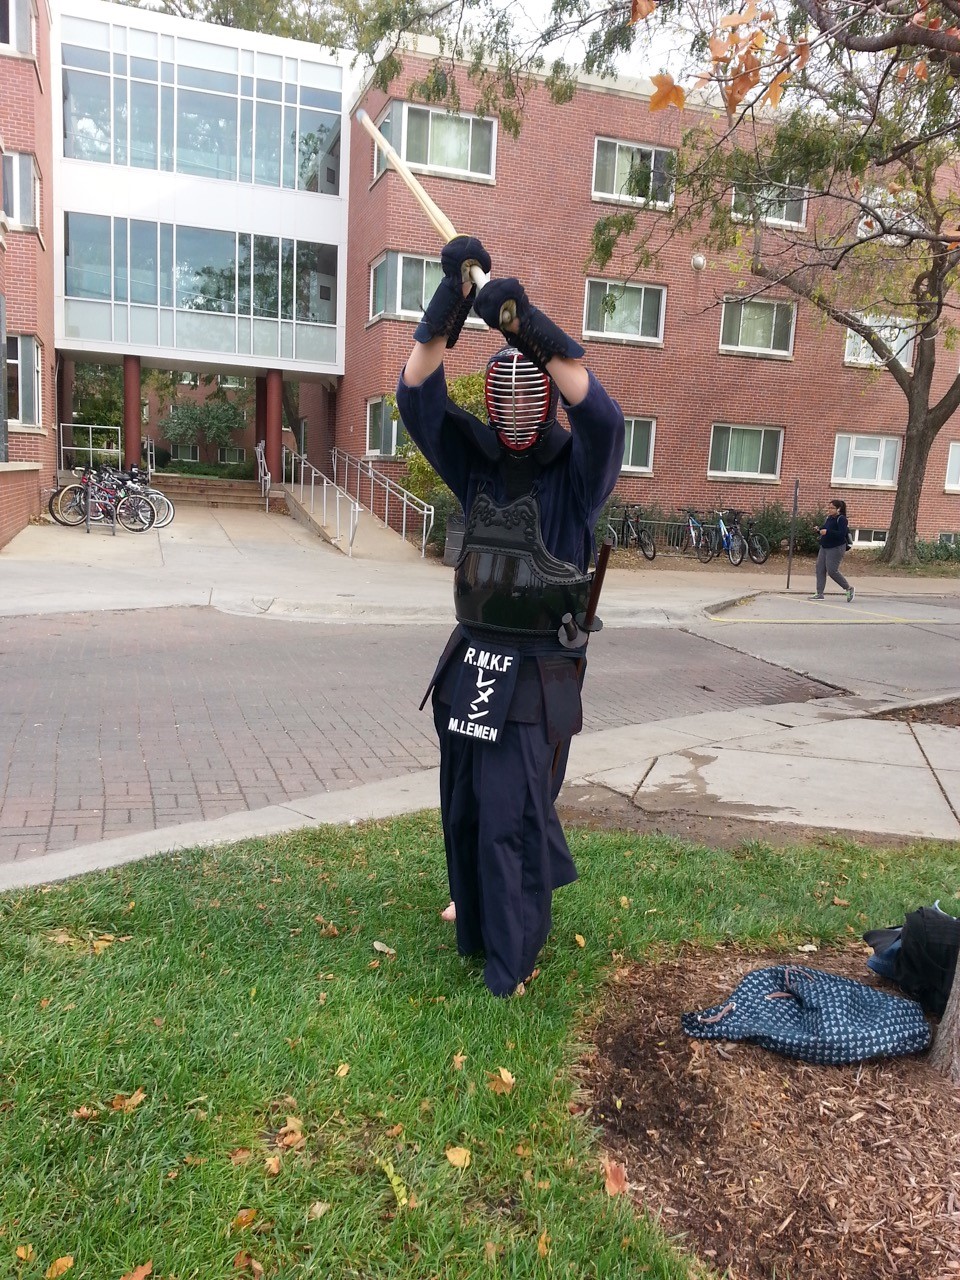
151 101
260 295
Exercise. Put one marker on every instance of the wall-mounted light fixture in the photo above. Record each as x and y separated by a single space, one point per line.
698 262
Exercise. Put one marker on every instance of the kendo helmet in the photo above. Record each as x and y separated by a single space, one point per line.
521 399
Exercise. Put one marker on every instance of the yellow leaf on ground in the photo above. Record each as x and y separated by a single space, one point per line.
395 1131
543 1244
243 1219
384 949
239 1155
139 1273
125 1102
59 1267
342 1070
524 1149
25 1252
458 1060
188 1159
291 1135
271 1166
579 939
84 1112
459 1157
500 1081
614 1177
668 94
317 1210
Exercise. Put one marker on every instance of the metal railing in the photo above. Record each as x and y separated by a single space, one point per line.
148 451
359 476
109 443
670 537
263 475
338 510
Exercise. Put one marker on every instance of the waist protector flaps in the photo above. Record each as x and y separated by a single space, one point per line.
506 579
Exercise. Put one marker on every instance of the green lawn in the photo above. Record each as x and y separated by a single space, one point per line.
206 1062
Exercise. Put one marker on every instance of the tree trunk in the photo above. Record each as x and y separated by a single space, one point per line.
900 547
945 1054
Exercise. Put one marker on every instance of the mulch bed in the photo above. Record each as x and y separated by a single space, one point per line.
765 1167
945 713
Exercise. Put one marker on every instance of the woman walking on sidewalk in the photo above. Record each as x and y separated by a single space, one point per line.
833 547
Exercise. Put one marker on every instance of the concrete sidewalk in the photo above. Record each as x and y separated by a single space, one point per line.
825 763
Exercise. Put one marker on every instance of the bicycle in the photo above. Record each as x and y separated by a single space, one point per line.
626 530
758 547
106 497
695 534
728 539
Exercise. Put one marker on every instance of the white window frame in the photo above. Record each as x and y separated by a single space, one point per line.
188 379
402 109
378 404
624 197
177 452
859 451
767 197
858 353
877 537
630 424
615 335
776 353
239 451
952 482
15 217
231 381
746 475
22 372
393 306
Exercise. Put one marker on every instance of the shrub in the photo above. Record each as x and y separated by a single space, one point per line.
223 470
938 551
444 506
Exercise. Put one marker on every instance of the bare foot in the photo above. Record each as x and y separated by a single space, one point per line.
449 913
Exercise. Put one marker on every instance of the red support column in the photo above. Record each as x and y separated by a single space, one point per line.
274 415
260 414
132 421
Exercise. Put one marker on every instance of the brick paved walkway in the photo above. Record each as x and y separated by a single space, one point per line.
112 723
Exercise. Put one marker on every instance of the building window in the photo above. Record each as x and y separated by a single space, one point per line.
385 433
953 467
21 189
188 380
757 326
231 454
638 444
642 175
750 452
949 539
24 361
865 460
231 382
624 311
438 141
777 206
200 115
18 26
185 452
401 284
869 537
895 332
144 411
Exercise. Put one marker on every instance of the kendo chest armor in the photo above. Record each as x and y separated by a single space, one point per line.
506 579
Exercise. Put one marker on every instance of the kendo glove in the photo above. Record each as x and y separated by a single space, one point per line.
538 338
448 308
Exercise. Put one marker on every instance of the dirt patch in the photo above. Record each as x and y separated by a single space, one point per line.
766 1167
945 713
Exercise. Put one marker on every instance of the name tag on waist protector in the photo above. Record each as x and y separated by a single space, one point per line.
484 688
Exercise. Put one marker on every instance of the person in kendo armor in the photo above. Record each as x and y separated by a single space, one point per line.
506 691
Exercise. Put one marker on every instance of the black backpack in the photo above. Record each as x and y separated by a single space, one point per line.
929 945
849 538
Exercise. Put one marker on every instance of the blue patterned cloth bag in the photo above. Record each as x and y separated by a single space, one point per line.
818 1017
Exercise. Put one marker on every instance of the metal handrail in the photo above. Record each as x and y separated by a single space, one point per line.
263 475
331 495
378 482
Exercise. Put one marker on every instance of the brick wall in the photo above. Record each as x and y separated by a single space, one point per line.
19 497
536 219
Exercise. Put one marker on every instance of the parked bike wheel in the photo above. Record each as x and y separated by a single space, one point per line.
758 548
646 543
705 547
162 506
136 513
69 504
736 548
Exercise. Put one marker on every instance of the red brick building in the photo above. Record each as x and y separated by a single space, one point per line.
27 352
726 404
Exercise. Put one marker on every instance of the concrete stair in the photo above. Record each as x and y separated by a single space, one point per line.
211 491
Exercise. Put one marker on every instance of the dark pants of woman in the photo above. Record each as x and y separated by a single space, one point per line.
828 563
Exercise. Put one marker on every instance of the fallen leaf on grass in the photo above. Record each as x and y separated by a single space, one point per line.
808 946
459 1157
543 1244
317 1210
384 949
59 1267
490 1251
195 1159
524 1149
85 1113
614 1177
579 939
343 1070
395 1131
840 902
244 1218
244 1261
500 1081
139 1273
239 1155
271 1166
458 1060
25 1252
291 1135
125 1102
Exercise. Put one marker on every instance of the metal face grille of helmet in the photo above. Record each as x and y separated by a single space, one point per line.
520 399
